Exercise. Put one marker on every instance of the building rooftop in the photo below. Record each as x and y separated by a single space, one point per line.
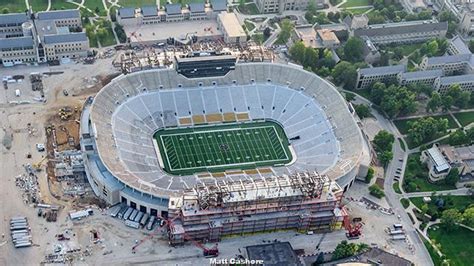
382 70
460 45
356 22
219 5
149 11
63 38
438 159
374 256
456 79
277 254
231 24
307 34
16 42
422 74
196 7
126 12
401 28
446 59
327 35
173 9
13 18
58 14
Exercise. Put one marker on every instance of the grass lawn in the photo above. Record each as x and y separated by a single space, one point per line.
457 202
219 148
93 4
353 3
364 93
457 245
402 144
417 174
396 188
249 25
437 260
136 3
407 49
358 11
39 5
249 9
403 127
405 202
13 6
465 118
61 4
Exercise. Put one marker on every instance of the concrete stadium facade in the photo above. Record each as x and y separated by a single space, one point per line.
118 124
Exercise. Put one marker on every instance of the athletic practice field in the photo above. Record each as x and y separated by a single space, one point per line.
222 147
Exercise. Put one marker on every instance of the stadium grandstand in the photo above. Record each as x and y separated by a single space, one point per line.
303 125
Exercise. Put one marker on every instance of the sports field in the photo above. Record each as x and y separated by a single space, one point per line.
223 147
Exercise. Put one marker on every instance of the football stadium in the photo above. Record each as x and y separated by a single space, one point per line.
149 138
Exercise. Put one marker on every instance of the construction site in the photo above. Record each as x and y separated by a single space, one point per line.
149 57
303 201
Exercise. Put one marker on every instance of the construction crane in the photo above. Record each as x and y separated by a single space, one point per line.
150 236
353 230
37 166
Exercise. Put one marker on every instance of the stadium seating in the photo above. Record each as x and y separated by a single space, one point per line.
131 108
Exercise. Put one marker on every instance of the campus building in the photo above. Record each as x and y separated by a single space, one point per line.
368 76
449 64
316 38
278 6
440 159
170 13
402 32
457 46
231 28
42 37
302 201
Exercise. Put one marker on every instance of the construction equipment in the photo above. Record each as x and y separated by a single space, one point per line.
37 166
353 230
207 252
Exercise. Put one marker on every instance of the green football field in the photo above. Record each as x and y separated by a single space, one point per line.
222 147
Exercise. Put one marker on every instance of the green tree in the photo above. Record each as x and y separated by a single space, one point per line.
297 51
425 129
468 216
97 10
470 135
424 208
383 141
258 38
434 103
344 250
370 175
354 49
453 177
362 110
447 102
385 157
450 217
376 191
471 46
5 10
345 74
458 137
285 33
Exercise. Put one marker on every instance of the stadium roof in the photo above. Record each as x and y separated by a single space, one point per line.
59 14
219 5
196 7
149 11
382 70
422 74
401 28
62 38
127 12
16 42
173 9
13 18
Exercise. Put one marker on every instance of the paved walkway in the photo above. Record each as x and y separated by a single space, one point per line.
455 192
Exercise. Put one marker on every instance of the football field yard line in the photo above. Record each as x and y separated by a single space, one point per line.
183 150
